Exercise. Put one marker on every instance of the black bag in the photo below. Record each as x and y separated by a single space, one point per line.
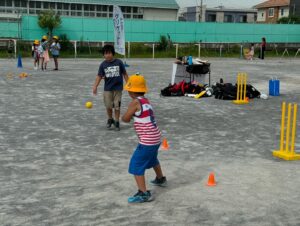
228 91
173 90
252 92
225 91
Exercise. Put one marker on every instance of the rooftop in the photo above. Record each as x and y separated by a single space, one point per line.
272 3
231 10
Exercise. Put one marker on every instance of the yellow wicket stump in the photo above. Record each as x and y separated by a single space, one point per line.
241 89
287 137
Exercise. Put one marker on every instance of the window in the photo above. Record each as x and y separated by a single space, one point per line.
128 16
38 5
271 12
46 5
65 13
282 12
243 19
59 5
79 7
17 3
8 3
212 18
137 16
2 2
66 6
101 8
32 5
228 18
52 5
126 9
262 15
101 14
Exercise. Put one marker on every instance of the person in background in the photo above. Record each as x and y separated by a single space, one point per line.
35 54
43 51
55 48
250 54
262 48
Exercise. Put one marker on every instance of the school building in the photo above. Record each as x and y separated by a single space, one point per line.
165 10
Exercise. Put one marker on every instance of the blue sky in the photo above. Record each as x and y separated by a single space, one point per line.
226 3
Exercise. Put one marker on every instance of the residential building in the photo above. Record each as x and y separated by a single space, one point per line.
272 10
218 14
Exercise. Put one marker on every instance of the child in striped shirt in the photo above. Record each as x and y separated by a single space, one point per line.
145 155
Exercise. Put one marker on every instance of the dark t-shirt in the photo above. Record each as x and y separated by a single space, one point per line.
112 72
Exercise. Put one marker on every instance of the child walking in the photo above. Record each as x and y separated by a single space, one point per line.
35 54
55 48
145 155
113 72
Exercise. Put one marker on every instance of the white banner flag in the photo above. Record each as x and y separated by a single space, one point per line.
119 30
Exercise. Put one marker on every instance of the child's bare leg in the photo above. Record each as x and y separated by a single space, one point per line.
109 113
56 62
158 171
42 63
140 181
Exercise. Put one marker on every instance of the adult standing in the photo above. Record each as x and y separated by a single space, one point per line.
262 48
55 48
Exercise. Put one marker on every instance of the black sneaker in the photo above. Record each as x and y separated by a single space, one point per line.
117 125
109 123
162 182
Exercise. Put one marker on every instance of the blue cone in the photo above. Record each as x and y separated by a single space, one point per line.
20 61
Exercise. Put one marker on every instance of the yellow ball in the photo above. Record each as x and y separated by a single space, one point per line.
89 104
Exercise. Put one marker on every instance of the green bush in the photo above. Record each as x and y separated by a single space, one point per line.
163 43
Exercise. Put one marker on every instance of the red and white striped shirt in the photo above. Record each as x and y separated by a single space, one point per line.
145 124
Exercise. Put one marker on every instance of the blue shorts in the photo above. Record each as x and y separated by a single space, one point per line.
144 157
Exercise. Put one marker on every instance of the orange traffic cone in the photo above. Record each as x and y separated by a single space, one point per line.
165 145
211 180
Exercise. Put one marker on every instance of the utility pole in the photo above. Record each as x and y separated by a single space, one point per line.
201 11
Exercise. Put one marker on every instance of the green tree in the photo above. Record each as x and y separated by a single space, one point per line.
50 20
163 43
